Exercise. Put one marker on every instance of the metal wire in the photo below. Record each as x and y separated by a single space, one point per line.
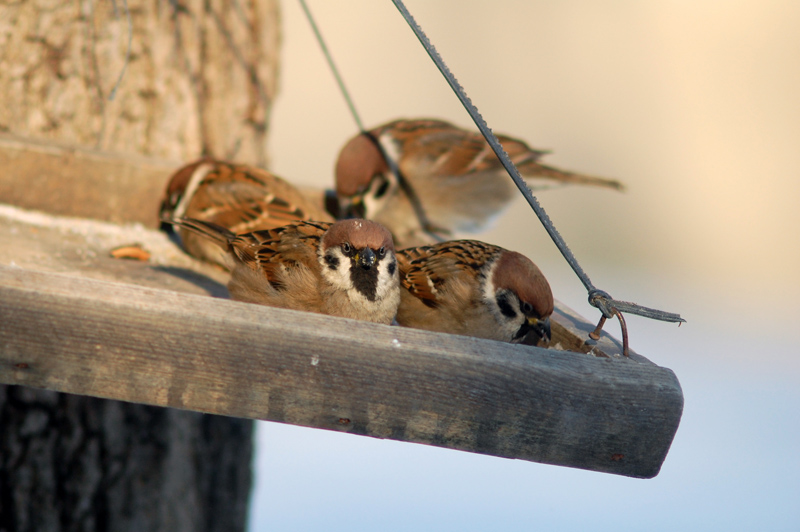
332 65
419 211
597 298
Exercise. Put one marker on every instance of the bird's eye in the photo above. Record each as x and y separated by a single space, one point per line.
346 248
526 307
382 251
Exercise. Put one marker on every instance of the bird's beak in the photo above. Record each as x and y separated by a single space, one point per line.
365 258
540 327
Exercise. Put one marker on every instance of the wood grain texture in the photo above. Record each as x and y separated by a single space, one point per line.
81 182
72 181
191 352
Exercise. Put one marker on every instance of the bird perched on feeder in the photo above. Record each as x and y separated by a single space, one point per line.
240 198
451 179
472 288
345 269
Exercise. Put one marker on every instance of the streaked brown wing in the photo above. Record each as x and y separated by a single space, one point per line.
244 207
451 151
227 172
413 275
462 152
244 198
425 270
268 251
439 148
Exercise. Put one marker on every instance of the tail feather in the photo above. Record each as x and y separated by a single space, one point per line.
534 170
216 233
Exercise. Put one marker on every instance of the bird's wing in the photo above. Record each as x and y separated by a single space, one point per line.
273 250
427 270
244 198
440 148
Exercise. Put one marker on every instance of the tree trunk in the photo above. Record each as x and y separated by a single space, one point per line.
75 463
188 78
199 77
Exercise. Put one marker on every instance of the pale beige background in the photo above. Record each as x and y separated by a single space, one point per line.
696 106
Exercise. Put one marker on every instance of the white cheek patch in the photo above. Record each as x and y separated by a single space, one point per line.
390 148
507 324
386 291
386 281
372 204
339 277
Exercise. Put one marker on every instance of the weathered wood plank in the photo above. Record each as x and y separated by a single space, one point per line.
184 351
79 247
73 181
80 182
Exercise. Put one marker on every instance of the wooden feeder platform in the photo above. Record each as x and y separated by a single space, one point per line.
74 319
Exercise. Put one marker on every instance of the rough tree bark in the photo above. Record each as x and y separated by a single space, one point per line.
199 78
74 463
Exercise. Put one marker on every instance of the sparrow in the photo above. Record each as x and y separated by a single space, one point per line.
345 269
451 178
237 197
472 288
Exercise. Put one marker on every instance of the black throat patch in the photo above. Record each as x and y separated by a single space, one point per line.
365 280
524 329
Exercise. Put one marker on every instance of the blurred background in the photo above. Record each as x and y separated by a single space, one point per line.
696 107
